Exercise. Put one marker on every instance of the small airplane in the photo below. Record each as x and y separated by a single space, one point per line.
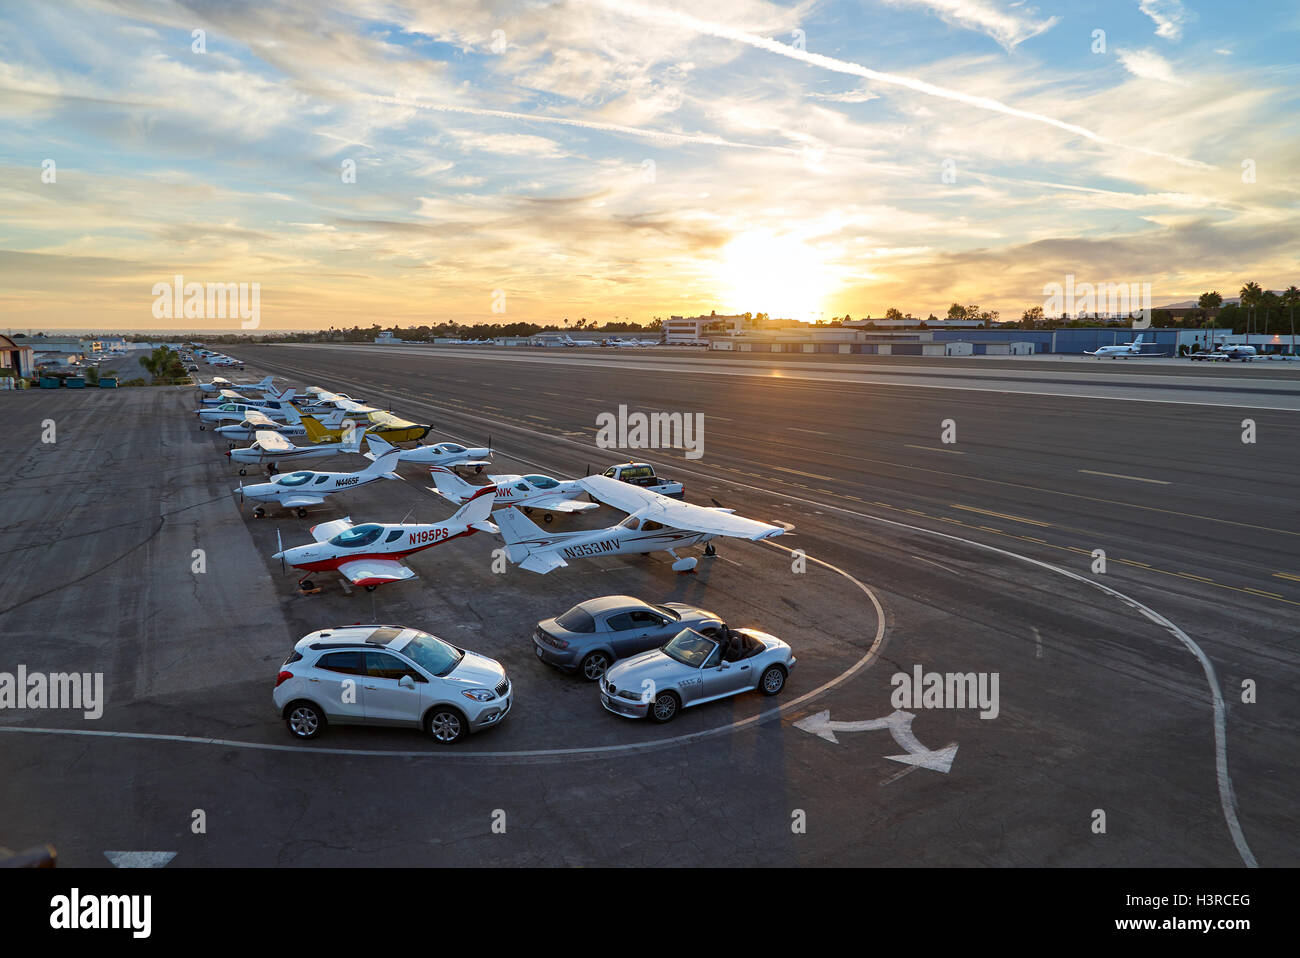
292 426
273 447
1226 352
526 492
1124 350
297 490
238 412
230 395
370 554
377 423
218 383
654 523
448 454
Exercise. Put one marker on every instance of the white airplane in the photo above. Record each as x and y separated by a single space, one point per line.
370 554
526 492
1226 352
231 395
297 490
218 384
292 426
448 454
579 342
655 523
238 412
271 448
1124 350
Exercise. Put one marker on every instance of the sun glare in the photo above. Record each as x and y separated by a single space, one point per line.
781 275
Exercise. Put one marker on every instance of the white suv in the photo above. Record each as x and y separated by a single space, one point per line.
389 675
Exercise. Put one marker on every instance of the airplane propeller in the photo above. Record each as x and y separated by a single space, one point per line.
241 495
279 541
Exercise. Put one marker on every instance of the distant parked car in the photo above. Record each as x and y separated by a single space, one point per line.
594 633
389 675
696 667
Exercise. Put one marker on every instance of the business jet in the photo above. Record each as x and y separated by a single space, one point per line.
579 342
526 492
297 490
1226 353
370 554
1124 350
218 383
655 523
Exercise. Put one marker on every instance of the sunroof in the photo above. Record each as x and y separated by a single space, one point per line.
383 635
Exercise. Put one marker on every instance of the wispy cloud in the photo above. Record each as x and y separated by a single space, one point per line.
1006 24
1169 16
1148 65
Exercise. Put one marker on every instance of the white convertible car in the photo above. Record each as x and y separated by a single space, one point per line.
693 668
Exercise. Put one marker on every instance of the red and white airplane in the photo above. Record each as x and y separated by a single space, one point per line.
526 492
370 554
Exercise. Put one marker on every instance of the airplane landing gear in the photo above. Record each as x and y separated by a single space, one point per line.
683 565
370 588
302 513
243 472
306 586
710 550
259 512
547 518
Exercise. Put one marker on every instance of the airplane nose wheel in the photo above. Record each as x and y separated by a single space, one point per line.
259 512
302 513
370 588
710 550
243 472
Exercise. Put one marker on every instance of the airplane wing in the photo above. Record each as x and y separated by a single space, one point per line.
542 562
258 418
328 530
559 504
293 502
474 462
680 515
375 571
272 441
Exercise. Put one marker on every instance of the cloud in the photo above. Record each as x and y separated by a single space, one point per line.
1169 17
1007 28
1148 65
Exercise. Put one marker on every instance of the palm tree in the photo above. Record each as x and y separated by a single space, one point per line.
1289 299
1250 296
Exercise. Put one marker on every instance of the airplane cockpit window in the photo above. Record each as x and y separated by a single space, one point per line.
631 522
450 447
523 487
357 536
394 535
294 479
320 479
542 482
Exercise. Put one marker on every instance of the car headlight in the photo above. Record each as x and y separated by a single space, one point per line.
479 695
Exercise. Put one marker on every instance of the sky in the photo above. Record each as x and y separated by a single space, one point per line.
406 163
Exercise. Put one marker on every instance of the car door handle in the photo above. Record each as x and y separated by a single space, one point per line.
744 667
313 680
373 688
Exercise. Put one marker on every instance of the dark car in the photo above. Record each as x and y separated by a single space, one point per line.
596 632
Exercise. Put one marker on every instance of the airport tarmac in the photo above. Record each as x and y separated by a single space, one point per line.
979 553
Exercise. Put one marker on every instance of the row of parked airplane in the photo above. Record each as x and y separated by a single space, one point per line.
370 554
1222 352
611 341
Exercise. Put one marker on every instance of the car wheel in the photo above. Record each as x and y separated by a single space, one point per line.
547 518
594 666
304 720
445 724
665 708
772 680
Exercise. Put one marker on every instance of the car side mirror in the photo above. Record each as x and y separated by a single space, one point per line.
406 682
724 665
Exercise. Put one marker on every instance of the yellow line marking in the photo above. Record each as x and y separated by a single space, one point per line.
1000 515
1271 595
1116 475
796 472
955 452
1286 575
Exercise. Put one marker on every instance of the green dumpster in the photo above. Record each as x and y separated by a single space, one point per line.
50 382
76 382
108 382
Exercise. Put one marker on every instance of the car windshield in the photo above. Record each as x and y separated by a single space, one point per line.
577 619
432 654
690 648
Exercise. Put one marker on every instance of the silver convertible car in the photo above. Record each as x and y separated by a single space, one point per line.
590 636
696 667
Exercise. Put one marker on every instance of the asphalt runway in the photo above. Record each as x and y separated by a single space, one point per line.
980 553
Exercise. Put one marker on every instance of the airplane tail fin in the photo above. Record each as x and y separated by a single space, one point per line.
384 465
353 443
291 415
334 420
516 528
315 431
451 486
378 447
474 514
267 384
1138 341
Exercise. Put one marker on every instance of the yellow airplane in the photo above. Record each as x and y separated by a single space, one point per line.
385 425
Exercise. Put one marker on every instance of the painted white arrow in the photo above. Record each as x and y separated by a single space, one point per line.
899 724
139 859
